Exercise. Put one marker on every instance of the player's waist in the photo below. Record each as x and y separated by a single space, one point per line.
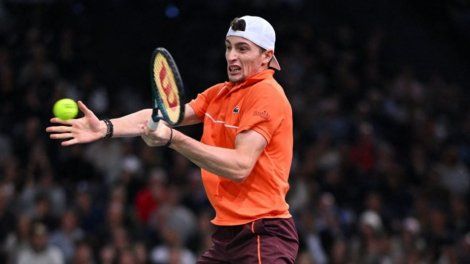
223 220
233 213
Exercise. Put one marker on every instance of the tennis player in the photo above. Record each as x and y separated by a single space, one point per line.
245 152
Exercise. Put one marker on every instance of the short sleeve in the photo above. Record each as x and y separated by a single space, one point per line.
200 103
264 110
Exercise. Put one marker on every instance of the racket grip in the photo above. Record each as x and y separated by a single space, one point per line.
152 125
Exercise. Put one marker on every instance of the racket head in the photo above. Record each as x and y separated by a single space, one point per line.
167 87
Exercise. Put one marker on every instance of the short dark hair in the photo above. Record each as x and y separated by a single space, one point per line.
238 24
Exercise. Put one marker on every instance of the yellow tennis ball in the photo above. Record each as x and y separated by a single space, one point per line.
65 109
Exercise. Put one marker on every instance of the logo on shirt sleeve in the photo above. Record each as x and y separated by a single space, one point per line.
263 114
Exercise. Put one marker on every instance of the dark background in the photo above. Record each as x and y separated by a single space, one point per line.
380 96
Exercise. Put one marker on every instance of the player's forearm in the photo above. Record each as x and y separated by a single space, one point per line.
129 125
224 162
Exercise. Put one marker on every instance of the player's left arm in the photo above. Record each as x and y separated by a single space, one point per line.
234 164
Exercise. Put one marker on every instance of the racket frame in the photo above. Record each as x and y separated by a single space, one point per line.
157 98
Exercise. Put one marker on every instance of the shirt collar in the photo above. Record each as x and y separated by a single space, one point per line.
262 75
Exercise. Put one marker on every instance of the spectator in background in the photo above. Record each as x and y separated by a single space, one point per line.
107 255
314 251
83 254
107 157
115 219
7 219
407 246
38 251
66 237
453 173
172 250
152 194
127 256
173 215
340 251
47 187
39 69
92 91
18 239
371 244
459 214
131 176
141 252
463 249
42 211
88 209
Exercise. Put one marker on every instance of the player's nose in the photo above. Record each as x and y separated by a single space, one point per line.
232 55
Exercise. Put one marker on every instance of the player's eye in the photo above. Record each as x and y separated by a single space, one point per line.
243 49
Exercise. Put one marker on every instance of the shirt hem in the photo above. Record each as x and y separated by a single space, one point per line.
242 222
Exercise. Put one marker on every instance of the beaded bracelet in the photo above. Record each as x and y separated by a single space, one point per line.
109 128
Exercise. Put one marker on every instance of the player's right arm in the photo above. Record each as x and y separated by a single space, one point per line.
89 128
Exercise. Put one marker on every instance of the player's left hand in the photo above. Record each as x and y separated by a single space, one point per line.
157 137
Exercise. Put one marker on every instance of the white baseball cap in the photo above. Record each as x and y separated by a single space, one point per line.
260 32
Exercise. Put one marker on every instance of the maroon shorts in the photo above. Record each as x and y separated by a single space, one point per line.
262 241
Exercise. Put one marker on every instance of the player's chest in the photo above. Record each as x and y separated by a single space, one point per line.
223 116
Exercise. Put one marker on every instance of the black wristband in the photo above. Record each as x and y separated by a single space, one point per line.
109 128
169 140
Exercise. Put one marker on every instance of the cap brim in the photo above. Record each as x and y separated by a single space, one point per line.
274 63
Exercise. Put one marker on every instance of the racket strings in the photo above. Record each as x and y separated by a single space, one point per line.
166 86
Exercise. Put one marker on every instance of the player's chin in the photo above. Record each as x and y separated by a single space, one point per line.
235 78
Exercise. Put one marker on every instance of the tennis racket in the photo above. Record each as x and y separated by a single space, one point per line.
167 89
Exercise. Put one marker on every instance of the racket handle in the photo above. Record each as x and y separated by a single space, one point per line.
152 125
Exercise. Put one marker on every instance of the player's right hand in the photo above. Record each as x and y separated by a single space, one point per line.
80 130
157 137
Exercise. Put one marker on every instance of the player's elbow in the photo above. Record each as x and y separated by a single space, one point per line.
242 171
239 176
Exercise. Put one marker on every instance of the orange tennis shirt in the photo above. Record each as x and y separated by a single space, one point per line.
227 109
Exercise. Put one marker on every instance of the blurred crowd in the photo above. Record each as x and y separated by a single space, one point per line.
380 172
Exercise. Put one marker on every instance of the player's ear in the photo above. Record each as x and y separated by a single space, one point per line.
267 56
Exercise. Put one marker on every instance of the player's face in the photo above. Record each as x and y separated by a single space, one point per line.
244 58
